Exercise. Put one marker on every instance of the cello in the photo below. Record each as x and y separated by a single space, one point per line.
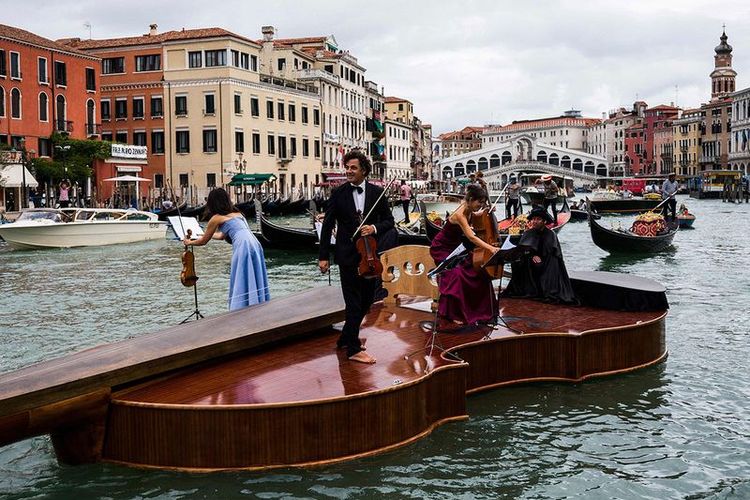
485 228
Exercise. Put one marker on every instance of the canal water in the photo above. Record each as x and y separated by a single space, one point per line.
677 430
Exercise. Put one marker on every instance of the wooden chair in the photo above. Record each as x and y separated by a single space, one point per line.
412 262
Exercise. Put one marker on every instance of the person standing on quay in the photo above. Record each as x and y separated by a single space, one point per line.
348 204
248 277
406 193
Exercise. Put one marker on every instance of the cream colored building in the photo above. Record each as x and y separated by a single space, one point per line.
398 109
568 131
686 132
226 116
398 143
607 137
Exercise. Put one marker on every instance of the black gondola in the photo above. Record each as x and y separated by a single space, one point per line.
294 207
620 240
623 205
247 208
581 215
197 212
290 238
171 212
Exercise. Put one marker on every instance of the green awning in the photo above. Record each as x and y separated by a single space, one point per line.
251 179
464 180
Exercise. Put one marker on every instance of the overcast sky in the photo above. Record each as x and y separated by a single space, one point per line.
466 62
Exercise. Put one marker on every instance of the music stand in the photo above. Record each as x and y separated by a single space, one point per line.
508 252
454 259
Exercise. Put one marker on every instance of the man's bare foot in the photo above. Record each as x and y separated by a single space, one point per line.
363 357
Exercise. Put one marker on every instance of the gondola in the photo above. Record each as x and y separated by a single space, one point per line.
563 217
581 215
620 240
685 220
290 238
294 207
163 214
197 212
406 237
623 205
247 208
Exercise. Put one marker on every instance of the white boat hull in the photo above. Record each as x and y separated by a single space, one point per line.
80 234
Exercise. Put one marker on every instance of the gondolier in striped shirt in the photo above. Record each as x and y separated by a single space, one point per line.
668 192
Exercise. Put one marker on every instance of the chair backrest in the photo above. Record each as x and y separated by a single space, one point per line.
412 263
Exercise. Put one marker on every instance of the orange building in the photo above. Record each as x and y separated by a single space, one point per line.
45 87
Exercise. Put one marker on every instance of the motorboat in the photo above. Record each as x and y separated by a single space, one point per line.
81 227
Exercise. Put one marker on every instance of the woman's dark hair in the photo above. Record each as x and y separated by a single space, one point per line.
363 161
219 203
475 192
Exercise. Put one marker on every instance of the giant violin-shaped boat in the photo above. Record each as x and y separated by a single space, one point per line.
626 241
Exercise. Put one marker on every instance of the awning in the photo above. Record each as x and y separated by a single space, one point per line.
13 176
127 178
251 179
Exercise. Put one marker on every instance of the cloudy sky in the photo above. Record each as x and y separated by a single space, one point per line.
466 62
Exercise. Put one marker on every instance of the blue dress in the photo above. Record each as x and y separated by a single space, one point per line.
248 278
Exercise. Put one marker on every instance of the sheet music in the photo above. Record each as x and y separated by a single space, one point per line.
507 245
188 223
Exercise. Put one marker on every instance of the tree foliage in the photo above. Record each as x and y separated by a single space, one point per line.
72 159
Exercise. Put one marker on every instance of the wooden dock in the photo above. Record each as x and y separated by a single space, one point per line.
265 387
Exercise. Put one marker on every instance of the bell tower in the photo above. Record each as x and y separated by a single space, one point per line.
722 77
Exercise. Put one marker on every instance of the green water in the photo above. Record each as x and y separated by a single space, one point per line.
677 430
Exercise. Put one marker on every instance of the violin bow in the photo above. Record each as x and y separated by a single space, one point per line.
373 207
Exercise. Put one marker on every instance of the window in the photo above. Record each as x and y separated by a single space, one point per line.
254 63
271 145
3 68
157 142
317 148
282 147
121 136
280 108
292 113
305 147
293 146
15 65
216 58
157 106
237 104
195 59
239 141
269 109
281 63
180 105
15 103
42 70
182 140
90 79
254 106
2 102
304 115
316 116
236 58
45 147
151 62
209 141
43 107
210 108
113 65
61 75
256 143
245 60
106 110
121 108
107 136
138 107
211 180
139 138
184 180
158 181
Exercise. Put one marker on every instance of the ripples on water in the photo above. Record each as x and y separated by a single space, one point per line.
677 430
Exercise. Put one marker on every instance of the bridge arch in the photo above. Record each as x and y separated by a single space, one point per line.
601 169
507 157
459 170
588 167
471 166
494 161
483 163
541 156
447 172
578 165
565 161
554 159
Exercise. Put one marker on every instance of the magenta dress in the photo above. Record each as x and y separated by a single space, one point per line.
466 294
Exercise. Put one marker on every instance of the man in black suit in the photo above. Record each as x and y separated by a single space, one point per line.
348 203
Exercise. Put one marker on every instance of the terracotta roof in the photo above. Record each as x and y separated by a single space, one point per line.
167 36
395 99
546 122
24 36
298 41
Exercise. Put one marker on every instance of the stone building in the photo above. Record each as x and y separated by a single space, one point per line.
569 131
739 146
686 133
607 138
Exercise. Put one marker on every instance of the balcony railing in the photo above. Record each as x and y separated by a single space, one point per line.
308 74
289 84
63 126
93 129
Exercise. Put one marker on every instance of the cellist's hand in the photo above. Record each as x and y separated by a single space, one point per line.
187 242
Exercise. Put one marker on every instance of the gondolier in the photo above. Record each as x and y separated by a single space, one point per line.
551 192
668 192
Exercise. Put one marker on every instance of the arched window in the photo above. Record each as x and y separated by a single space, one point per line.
15 103
459 170
507 157
589 167
2 101
601 169
90 118
578 165
43 107
471 166
483 164
541 156
60 110
565 161
494 161
447 172
554 159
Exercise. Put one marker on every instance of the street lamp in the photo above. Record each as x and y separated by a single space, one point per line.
241 165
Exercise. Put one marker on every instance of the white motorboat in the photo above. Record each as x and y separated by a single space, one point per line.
81 227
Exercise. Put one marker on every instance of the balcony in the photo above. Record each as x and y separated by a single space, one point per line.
93 129
315 74
288 84
63 126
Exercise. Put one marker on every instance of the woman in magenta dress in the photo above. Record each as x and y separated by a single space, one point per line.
466 294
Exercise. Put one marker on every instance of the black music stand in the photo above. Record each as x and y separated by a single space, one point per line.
499 259
434 342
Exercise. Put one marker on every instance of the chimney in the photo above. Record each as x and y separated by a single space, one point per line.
152 29
268 33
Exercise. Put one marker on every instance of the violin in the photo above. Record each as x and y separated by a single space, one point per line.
369 262
485 228
188 276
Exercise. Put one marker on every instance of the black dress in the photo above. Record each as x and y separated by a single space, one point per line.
548 280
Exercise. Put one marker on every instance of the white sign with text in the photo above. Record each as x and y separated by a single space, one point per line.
128 151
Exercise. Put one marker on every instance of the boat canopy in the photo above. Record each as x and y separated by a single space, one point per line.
251 179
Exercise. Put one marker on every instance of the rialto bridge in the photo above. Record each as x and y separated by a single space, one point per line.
525 154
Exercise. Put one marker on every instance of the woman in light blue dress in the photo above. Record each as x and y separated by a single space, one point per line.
248 278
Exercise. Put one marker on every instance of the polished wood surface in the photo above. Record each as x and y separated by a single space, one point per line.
27 392
404 273
304 402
